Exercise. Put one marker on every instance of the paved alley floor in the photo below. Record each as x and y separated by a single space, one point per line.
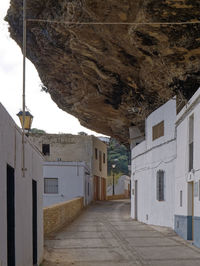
105 234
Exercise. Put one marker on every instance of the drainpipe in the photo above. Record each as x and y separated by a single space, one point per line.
24 87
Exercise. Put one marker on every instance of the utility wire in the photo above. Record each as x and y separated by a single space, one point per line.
111 23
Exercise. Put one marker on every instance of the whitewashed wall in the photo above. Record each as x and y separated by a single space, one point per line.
11 153
147 158
73 180
184 178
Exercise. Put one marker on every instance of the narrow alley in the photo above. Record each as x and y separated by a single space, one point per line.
104 234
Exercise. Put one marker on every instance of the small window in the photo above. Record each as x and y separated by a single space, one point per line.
181 198
158 130
46 149
100 161
104 158
199 190
160 185
96 153
51 185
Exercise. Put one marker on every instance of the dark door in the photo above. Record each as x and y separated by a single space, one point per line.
10 216
136 199
34 208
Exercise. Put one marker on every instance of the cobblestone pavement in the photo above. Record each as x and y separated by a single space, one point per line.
104 234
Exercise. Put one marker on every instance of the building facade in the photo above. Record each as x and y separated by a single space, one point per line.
21 208
77 148
66 180
187 175
166 170
153 169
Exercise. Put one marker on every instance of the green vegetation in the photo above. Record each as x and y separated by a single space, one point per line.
119 156
38 131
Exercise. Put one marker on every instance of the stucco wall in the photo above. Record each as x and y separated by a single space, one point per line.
11 153
147 158
58 215
73 182
101 146
185 179
66 147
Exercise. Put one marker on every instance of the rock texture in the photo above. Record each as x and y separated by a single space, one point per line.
110 76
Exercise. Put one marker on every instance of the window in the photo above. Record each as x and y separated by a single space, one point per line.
104 158
191 137
100 161
199 190
158 130
160 185
181 198
51 185
96 153
46 149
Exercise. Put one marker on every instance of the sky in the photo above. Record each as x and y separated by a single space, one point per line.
47 115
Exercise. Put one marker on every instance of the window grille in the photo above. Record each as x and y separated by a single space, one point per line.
181 198
160 185
51 185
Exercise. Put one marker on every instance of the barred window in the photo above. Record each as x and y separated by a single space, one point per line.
160 186
181 198
51 185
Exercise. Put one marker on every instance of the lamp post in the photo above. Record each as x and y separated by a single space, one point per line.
113 167
26 120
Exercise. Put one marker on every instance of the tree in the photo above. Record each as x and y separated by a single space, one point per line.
37 131
119 155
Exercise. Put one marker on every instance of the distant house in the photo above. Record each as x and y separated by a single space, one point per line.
67 148
66 180
21 209
122 187
153 169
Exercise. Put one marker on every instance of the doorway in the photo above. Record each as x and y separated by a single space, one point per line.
34 222
10 216
136 199
191 210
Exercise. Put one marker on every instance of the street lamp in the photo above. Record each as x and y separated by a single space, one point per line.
26 120
113 167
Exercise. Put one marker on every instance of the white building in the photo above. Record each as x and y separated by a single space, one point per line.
76 148
187 195
153 167
21 213
66 180
121 188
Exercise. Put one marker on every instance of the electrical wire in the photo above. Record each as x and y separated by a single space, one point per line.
110 23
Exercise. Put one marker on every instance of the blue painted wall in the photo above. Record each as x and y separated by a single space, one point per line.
183 226
197 231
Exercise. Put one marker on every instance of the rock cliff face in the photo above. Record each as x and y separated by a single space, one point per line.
110 76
